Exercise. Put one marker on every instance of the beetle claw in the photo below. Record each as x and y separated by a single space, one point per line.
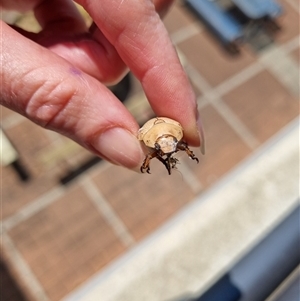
145 168
195 158
184 147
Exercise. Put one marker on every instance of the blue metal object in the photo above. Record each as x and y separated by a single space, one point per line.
226 27
256 9
260 272
223 290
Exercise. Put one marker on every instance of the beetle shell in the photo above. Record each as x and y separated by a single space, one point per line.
164 136
161 130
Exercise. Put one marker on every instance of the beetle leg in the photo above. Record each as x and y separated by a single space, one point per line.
184 147
169 163
146 164
166 162
173 162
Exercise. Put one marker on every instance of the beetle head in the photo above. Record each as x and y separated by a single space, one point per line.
167 144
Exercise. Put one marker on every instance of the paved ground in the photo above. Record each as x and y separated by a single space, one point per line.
55 238
199 244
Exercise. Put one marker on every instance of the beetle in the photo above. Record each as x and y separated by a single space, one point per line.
164 136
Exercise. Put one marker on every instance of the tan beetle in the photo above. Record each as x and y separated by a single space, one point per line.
164 136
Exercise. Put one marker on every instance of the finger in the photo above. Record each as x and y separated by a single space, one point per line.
51 92
93 54
20 6
141 40
59 15
65 33
97 58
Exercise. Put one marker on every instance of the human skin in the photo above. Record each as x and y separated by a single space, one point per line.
57 78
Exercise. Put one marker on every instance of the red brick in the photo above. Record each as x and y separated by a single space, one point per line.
289 23
224 149
211 61
141 199
57 248
263 104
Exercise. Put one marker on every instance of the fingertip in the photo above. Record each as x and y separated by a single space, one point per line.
120 147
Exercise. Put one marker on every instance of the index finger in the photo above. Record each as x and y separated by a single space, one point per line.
136 31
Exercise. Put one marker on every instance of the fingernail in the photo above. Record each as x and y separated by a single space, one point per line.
120 147
201 135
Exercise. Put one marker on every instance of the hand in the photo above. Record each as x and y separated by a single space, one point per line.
56 77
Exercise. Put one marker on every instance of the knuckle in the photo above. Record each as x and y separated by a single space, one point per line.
48 100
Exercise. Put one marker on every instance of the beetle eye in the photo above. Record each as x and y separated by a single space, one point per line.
157 146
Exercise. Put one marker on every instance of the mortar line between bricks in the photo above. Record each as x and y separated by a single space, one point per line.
27 276
189 177
34 207
284 70
185 33
212 97
37 205
291 45
107 211
11 121
239 78
236 123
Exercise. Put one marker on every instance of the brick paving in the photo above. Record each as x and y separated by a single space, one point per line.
143 203
61 243
263 111
56 237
